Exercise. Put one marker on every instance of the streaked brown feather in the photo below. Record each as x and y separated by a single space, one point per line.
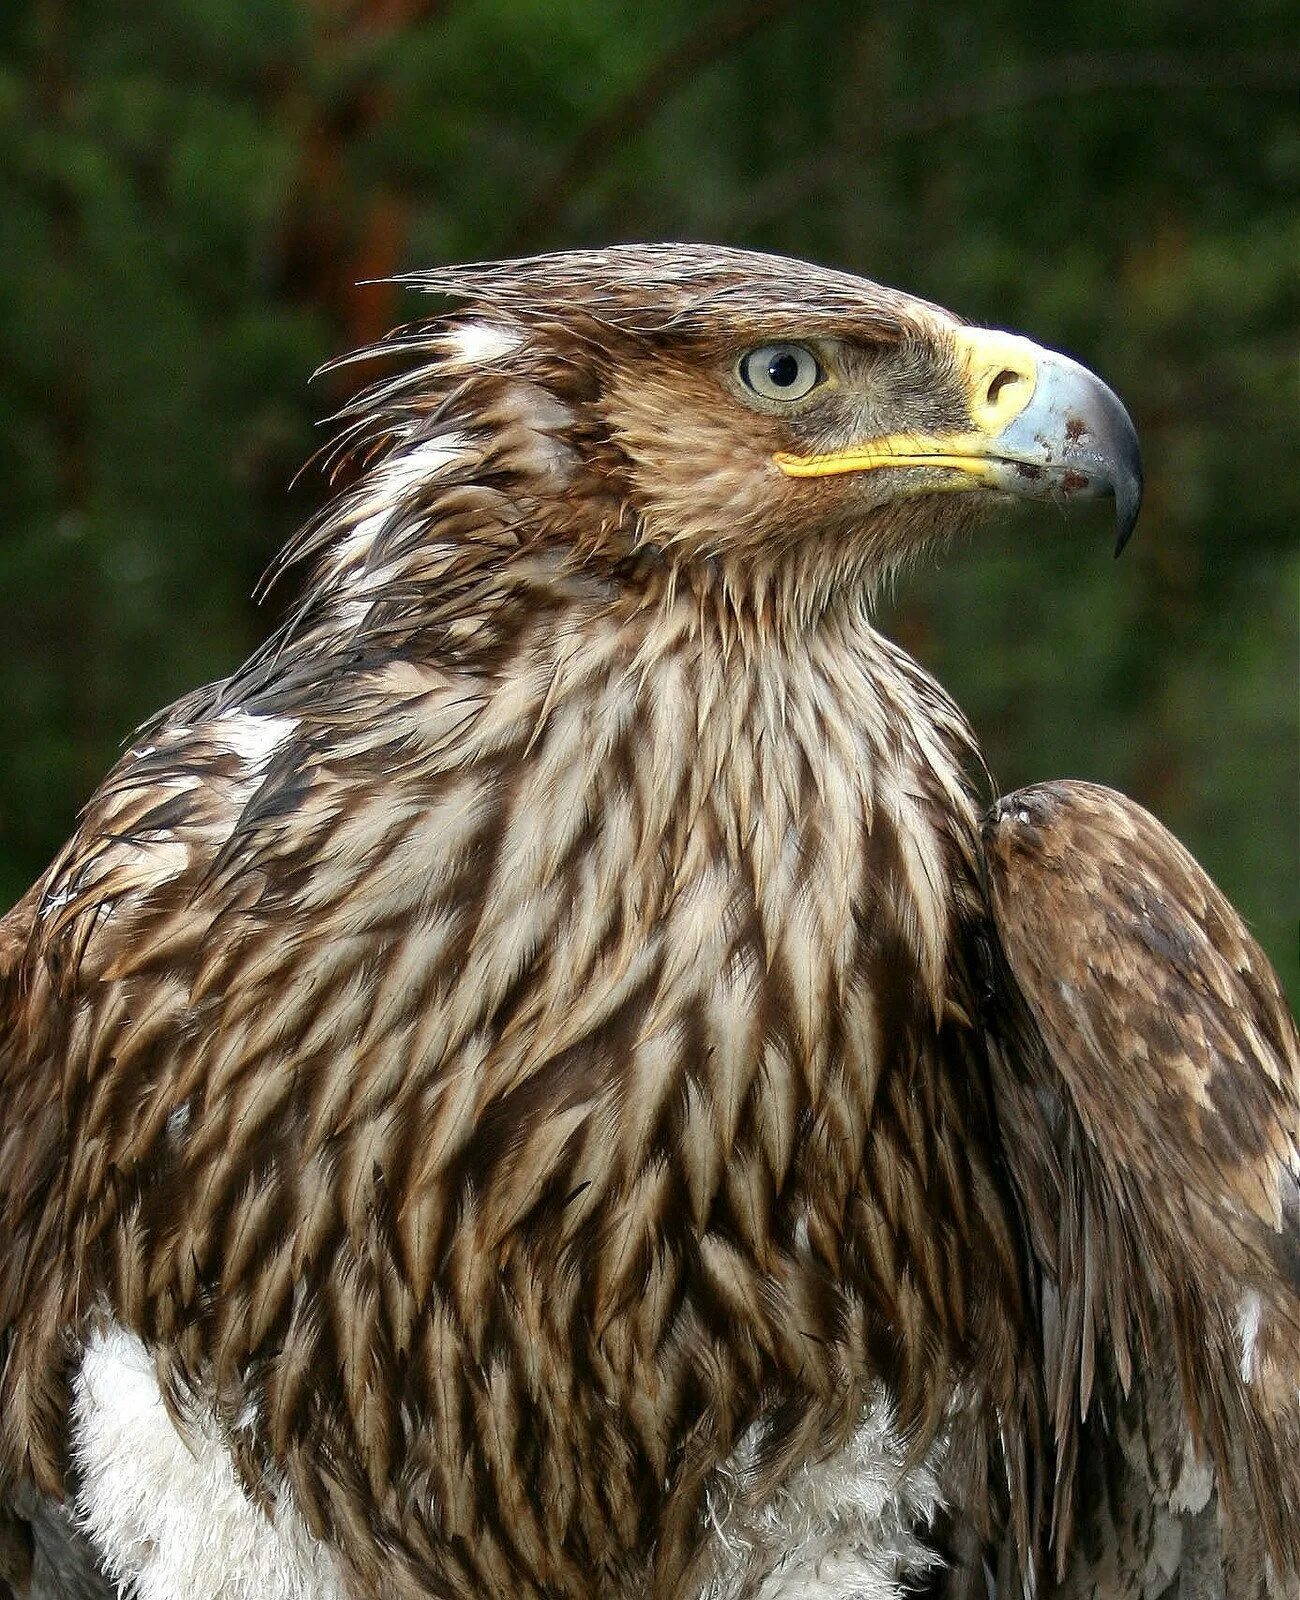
1148 1082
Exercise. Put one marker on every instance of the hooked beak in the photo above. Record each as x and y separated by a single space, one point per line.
1042 428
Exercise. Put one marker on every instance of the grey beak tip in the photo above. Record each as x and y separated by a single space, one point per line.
1128 502
1125 522
1125 474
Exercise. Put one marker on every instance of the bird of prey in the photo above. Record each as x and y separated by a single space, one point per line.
543 1085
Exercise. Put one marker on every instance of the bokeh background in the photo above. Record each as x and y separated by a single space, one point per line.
190 191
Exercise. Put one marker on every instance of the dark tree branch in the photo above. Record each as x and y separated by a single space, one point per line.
1098 72
1093 72
596 145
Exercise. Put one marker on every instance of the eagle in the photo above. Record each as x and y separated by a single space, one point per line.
550 1082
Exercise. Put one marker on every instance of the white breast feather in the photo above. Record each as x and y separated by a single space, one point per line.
166 1512
841 1529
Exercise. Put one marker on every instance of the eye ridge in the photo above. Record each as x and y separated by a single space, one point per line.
780 372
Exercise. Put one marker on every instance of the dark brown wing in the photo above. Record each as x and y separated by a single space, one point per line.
42 1556
30 1121
1147 1072
15 1533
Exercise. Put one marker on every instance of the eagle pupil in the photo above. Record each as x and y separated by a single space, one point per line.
783 370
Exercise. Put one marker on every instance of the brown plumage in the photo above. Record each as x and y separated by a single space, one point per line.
541 1067
1147 1077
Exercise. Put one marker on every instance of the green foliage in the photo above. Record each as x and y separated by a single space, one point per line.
190 189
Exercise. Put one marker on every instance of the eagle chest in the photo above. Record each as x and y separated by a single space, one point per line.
696 1082
708 1188
586 1115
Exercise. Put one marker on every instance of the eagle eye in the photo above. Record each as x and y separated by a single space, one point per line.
780 371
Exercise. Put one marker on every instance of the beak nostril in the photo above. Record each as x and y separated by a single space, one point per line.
999 383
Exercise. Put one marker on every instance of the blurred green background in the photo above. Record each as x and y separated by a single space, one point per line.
190 190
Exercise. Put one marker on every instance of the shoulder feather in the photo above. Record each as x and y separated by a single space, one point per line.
1147 1071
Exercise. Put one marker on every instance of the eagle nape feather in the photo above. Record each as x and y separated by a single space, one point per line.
538 1086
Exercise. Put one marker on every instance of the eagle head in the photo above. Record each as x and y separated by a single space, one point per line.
688 410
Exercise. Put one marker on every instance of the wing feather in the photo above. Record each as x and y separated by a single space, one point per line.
1147 1073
